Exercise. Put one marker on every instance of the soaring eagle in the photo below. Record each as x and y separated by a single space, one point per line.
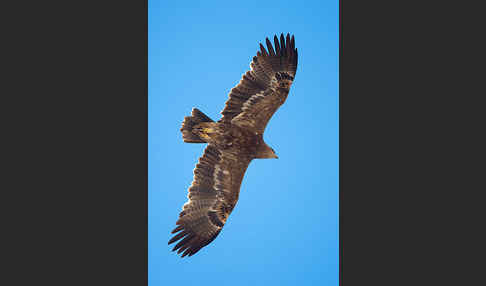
233 142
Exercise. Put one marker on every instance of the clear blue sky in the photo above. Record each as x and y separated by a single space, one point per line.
284 229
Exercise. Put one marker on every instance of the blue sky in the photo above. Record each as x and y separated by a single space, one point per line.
284 229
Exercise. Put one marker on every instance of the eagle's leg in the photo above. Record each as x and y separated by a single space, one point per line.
208 131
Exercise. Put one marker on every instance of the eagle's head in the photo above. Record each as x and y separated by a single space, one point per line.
266 152
273 154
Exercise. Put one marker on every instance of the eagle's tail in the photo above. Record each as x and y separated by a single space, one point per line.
188 125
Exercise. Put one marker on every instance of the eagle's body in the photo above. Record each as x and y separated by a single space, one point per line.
233 142
232 139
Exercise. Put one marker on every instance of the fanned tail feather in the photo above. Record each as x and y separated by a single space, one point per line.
188 125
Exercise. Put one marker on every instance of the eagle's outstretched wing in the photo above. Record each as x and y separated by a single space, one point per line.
212 196
264 88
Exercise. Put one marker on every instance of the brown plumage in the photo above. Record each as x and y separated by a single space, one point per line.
233 142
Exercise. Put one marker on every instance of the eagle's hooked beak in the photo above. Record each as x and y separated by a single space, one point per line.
276 157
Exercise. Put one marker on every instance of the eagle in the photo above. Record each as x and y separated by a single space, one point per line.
233 142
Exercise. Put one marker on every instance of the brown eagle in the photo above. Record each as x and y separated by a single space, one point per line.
233 141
